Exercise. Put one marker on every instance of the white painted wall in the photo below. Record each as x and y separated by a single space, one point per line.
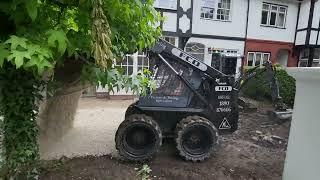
185 4
166 4
316 15
256 31
313 37
216 43
304 14
234 28
170 22
184 23
301 37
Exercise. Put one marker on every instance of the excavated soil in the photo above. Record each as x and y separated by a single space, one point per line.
255 152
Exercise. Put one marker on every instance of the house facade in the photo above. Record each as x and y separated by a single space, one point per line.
283 31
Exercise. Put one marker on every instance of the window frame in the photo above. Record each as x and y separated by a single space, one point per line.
305 59
278 12
196 53
171 37
215 9
255 58
144 57
126 66
223 9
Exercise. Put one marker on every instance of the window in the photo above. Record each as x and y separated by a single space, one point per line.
304 56
223 11
196 50
257 58
273 15
171 40
216 10
143 61
166 4
231 51
126 64
207 13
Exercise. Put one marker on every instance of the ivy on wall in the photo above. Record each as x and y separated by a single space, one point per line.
20 111
40 35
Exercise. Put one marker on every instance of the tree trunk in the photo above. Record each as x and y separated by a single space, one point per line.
58 115
57 112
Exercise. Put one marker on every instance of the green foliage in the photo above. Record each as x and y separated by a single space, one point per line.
23 53
258 88
144 172
32 8
57 39
287 87
41 34
114 79
20 127
78 28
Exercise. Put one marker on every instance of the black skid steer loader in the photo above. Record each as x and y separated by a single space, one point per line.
193 103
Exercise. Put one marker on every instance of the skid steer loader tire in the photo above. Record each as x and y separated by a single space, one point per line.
138 138
195 138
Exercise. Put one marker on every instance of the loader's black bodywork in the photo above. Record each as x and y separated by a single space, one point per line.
193 103
186 87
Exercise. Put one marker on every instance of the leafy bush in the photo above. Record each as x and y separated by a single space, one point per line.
258 88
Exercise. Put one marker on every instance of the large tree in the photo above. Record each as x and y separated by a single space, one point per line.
60 46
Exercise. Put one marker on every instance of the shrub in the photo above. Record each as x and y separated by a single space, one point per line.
258 87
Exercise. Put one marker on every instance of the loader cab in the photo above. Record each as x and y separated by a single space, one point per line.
227 62
170 90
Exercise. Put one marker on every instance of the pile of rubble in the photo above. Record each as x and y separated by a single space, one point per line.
268 138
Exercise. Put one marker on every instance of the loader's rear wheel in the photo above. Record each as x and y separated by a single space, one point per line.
138 137
195 138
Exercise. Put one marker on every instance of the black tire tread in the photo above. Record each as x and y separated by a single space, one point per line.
130 119
184 123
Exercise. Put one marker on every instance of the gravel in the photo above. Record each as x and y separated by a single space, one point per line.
93 131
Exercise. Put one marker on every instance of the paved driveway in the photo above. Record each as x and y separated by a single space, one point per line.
93 133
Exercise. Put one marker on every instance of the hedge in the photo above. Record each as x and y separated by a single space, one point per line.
258 88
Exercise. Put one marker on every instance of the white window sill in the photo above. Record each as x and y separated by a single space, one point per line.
268 26
216 20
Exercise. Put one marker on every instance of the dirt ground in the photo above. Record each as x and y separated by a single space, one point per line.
255 152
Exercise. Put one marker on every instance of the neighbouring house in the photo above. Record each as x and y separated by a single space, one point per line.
283 31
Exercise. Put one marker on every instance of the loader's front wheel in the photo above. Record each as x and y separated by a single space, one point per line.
196 138
138 137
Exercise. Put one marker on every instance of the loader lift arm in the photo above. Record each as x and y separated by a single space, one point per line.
163 50
280 107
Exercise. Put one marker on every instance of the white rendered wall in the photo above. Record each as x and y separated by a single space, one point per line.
316 15
170 22
313 37
217 43
234 28
256 31
185 4
304 14
303 158
301 37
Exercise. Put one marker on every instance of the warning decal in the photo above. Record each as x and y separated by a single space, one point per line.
225 124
